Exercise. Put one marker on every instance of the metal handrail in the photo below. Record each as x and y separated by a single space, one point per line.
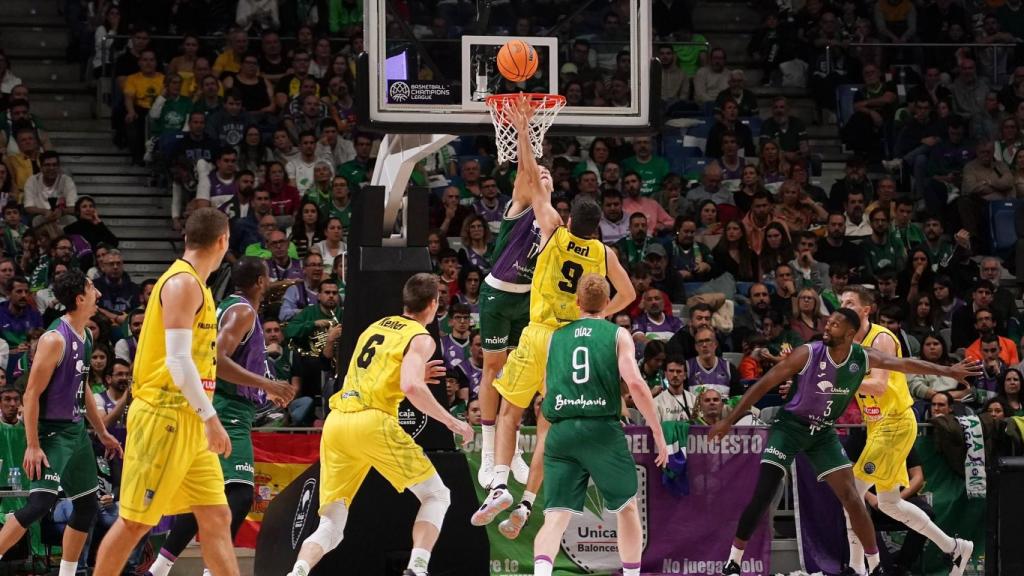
828 48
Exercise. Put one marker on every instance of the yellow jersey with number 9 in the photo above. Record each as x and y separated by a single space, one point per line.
374 374
152 382
896 399
562 262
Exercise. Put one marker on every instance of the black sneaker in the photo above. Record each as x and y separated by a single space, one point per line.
877 571
731 569
847 571
409 572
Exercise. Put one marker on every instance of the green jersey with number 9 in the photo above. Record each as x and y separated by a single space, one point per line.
583 372
373 380
562 262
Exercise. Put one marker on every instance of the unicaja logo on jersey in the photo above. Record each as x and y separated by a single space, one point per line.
302 511
589 541
399 92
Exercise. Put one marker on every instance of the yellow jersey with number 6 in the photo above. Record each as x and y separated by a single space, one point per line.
897 398
562 262
374 374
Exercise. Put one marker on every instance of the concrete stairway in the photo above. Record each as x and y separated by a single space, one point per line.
34 36
729 25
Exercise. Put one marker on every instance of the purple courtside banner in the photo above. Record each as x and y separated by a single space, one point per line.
821 533
682 534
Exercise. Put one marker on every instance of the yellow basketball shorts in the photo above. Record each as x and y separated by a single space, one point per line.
168 467
354 442
523 375
884 459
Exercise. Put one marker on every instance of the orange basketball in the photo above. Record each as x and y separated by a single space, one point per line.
517 61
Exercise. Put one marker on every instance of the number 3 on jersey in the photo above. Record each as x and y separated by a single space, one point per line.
572 272
369 350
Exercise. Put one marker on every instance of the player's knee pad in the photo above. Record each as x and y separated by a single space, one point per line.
332 527
83 512
434 499
895 507
39 505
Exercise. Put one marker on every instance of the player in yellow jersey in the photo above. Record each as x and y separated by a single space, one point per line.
891 432
362 430
566 255
171 463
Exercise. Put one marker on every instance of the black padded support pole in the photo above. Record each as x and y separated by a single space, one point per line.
378 535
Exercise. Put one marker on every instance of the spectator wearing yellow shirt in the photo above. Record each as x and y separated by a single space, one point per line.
26 162
230 60
140 90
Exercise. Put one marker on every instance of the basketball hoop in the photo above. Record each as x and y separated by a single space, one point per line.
545 108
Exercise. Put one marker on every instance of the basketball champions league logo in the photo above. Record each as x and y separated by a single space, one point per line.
590 541
399 92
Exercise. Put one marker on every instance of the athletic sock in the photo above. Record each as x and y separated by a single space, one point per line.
528 498
500 476
936 535
301 568
162 565
68 568
541 566
736 555
856 553
873 561
630 569
487 431
418 561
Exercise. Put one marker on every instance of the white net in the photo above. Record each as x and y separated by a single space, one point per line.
545 108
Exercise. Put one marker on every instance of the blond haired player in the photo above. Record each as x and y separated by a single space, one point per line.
362 430
171 463
566 255
892 430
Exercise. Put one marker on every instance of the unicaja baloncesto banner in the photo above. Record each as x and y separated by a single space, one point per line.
682 534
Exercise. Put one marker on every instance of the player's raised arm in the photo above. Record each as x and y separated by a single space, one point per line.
527 185
638 390
784 370
625 292
421 348
531 176
235 322
960 371
182 297
49 351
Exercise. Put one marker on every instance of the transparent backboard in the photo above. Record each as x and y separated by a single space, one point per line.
430 66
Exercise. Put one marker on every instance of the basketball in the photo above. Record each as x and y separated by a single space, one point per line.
517 61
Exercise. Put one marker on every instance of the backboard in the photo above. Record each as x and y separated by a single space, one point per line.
430 70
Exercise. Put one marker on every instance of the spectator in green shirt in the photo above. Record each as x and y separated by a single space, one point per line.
10 405
170 109
651 167
340 203
356 170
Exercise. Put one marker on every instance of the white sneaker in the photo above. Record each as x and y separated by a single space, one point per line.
961 556
497 501
511 526
520 469
486 472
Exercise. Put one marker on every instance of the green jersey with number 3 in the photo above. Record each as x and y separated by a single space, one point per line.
583 372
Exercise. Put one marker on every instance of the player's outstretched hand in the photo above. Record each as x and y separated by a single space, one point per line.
521 112
434 372
34 462
719 430
217 437
661 460
965 369
464 430
112 448
280 392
